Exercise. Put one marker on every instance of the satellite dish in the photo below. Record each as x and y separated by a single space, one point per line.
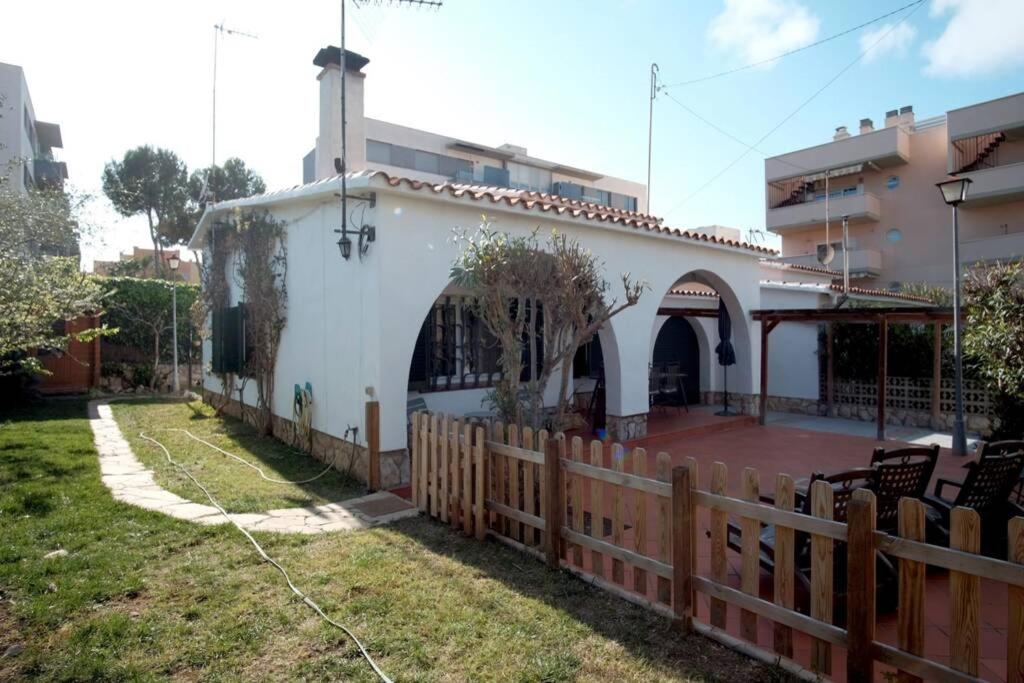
826 253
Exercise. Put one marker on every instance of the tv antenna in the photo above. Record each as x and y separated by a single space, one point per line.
340 165
208 193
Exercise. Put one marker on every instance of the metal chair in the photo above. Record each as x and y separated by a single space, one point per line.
900 473
986 489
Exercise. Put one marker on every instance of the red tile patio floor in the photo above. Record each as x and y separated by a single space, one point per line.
798 452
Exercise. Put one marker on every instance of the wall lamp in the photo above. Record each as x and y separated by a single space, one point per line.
364 235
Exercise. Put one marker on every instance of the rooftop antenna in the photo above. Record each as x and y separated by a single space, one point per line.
340 164
650 129
208 193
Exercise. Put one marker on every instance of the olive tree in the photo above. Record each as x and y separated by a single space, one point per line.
541 301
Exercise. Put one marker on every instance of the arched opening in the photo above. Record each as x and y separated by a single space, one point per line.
684 368
676 346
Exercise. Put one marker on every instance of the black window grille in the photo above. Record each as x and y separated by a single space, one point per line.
455 350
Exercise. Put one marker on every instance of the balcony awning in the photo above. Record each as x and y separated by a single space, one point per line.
834 173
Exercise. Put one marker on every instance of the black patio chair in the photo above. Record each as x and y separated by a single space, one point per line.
843 485
986 489
900 473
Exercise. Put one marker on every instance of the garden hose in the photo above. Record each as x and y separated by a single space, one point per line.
305 598
246 462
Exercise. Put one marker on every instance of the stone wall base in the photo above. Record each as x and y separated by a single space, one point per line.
626 427
345 456
743 404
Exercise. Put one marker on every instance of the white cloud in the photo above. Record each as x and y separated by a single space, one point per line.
761 29
982 37
888 40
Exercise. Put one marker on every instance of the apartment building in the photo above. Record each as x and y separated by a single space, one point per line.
408 152
26 144
884 179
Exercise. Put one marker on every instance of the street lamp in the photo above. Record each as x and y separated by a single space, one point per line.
954 192
174 262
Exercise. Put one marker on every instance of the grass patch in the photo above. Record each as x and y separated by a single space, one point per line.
142 596
237 487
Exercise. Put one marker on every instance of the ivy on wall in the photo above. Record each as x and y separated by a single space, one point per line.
249 250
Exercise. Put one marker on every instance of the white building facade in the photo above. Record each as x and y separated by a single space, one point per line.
26 144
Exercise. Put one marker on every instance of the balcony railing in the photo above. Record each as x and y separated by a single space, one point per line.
860 206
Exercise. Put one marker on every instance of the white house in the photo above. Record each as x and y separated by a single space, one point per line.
388 325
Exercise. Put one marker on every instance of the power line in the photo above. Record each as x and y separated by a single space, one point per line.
751 65
728 134
793 113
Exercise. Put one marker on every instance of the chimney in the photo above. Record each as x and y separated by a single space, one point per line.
906 116
328 142
866 126
841 133
892 117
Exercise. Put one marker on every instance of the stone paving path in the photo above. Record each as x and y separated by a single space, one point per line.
131 482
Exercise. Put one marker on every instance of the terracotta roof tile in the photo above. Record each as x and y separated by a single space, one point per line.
796 266
882 293
562 206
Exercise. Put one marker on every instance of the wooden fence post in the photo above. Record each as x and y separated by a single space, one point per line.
1015 622
821 576
785 543
596 508
910 619
719 532
480 456
576 483
528 480
860 587
664 527
555 507
964 593
467 478
414 459
618 566
640 521
750 554
373 442
682 550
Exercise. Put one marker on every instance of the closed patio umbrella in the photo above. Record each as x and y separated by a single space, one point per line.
725 352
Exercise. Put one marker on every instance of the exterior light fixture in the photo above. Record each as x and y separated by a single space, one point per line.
953 193
365 235
345 246
174 261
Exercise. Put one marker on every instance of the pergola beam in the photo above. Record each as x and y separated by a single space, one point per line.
856 315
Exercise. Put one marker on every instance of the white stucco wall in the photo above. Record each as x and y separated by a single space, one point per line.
792 346
353 325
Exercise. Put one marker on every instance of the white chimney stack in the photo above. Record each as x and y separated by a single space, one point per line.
907 116
841 133
328 142
892 117
866 126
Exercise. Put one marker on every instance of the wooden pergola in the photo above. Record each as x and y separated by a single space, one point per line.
936 316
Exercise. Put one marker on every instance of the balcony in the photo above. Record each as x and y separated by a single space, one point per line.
49 173
989 249
860 207
995 185
1006 113
863 262
881 148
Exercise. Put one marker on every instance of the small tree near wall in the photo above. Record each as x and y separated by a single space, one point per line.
541 302
994 339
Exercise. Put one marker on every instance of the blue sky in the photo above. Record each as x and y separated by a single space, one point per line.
568 80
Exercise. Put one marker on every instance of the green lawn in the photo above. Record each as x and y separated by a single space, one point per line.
237 487
140 596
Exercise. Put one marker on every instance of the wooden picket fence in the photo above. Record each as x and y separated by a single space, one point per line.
637 537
